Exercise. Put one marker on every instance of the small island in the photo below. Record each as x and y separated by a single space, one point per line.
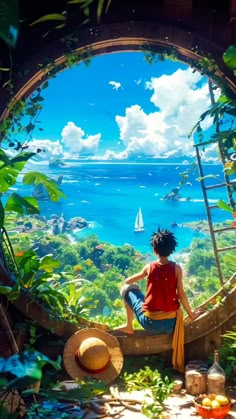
174 195
55 224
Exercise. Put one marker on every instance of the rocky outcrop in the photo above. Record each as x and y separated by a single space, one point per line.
174 195
56 224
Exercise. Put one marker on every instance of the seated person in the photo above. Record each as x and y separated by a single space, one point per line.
159 311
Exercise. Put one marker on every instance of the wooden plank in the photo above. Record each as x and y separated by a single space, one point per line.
140 343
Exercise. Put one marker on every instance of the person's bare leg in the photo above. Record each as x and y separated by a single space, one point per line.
128 327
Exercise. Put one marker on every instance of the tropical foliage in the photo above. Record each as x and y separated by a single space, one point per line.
158 389
19 375
228 354
87 280
223 113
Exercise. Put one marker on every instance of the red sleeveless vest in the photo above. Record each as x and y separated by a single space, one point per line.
161 294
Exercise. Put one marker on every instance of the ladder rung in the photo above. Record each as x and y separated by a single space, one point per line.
213 206
223 249
206 143
219 185
217 230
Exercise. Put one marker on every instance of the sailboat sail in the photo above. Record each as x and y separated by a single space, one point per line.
139 224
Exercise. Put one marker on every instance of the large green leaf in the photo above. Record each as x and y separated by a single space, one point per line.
224 206
22 158
229 57
46 18
85 3
100 8
48 264
4 159
9 21
20 205
5 290
8 176
27 367
10 169
50 185
27 371
27 262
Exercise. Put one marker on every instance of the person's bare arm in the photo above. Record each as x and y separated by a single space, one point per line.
193 314
138 276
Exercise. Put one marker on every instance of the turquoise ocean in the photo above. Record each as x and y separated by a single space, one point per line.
108 196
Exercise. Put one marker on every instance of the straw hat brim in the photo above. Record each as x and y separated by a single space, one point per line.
72 345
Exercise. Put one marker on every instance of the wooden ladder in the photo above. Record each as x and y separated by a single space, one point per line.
228 184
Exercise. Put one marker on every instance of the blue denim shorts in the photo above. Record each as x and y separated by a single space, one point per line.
135 299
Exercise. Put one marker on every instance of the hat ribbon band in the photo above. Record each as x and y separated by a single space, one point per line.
91 371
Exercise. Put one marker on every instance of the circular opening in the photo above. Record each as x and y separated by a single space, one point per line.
114 138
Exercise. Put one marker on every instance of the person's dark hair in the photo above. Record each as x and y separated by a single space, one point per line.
163 242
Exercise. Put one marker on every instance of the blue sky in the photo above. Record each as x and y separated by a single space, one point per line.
120 107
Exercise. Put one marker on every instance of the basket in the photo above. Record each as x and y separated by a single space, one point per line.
212 412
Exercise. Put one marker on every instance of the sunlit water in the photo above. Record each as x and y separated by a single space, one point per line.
109 195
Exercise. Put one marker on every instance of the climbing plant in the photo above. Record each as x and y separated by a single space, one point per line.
223 113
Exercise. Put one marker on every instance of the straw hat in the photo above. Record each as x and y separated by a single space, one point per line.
93 353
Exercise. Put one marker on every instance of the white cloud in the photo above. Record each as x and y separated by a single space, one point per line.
210 154
180 98
49 149
111 155
73 141
115 85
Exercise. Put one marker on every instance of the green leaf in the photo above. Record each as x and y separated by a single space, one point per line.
224 206
50 185
4 158
51 16
229 57
27 367
86 11
48 264
9 21
3 383
29 128
10 169
45 85
206 177
5 290
22 158
20 205
28 264
100 8
86 2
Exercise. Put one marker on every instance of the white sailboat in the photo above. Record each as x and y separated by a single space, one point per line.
139 224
